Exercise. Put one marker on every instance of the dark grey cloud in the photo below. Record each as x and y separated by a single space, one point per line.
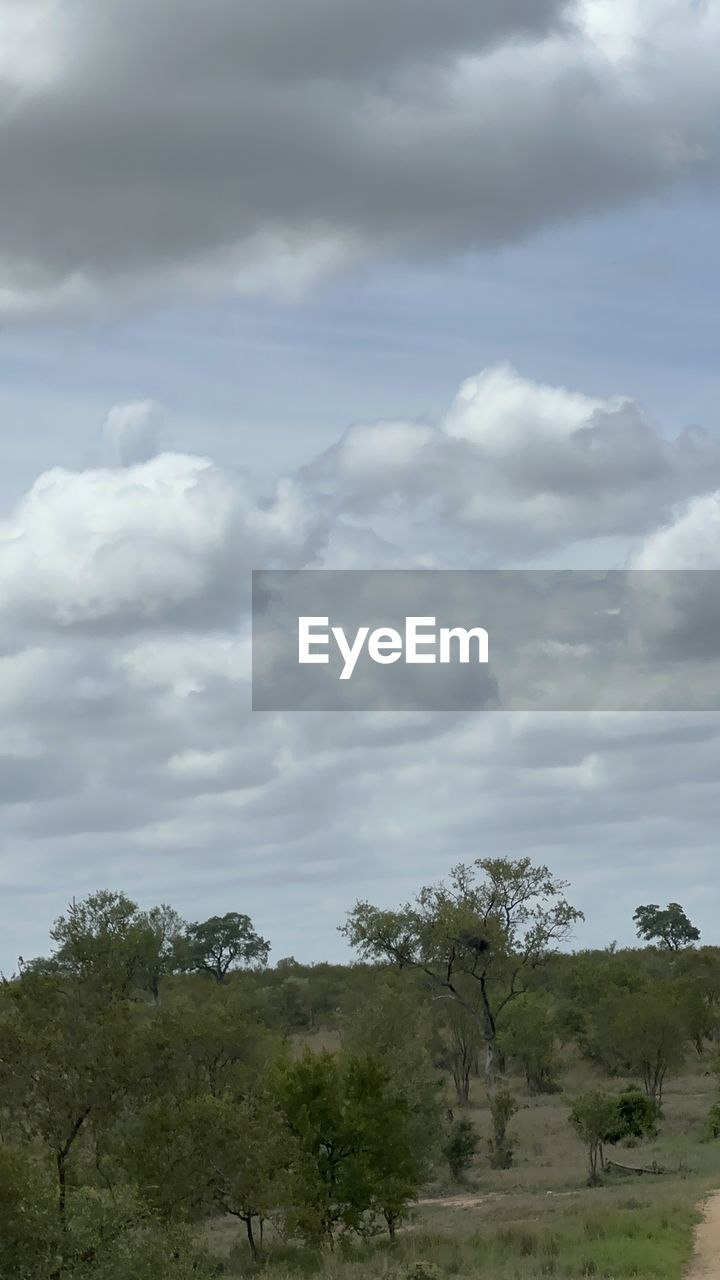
179 146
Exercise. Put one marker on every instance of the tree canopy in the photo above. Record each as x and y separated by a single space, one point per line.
669 927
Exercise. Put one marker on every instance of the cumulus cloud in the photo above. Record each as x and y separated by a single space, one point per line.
166 542
129 755
177 146
690 541
517 469
133 430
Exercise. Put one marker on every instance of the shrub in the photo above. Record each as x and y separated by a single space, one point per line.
461 1146
638 1114
502 1109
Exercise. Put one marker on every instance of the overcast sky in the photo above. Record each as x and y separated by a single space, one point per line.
342 283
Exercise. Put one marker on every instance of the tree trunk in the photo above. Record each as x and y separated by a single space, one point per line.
62 1184
251 1238
491 1067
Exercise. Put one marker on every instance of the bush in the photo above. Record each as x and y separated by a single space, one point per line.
461 1146
502 1109
638 1114
421 1271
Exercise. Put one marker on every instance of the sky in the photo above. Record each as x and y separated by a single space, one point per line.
322 284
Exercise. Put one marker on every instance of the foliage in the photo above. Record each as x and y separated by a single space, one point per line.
642 1032
458 1046
638 1114
461 1146
596 1120
531 1042
669 927
222 943
602 1119
365 1138
502 1109
142 1105
478 938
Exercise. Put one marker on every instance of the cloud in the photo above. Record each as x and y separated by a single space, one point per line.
514 469
132 430
690 541
129 754
174 147
166 542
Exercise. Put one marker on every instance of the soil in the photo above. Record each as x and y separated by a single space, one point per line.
706 1258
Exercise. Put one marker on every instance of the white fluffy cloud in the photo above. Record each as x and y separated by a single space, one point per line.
149 149
690 541
517 469
133 430
166 542
129 756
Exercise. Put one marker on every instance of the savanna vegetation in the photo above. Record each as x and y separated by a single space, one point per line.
470 1097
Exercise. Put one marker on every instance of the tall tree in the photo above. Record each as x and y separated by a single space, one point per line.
222 943
477 938
670 928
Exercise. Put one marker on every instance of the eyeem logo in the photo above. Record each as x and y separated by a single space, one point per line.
422 642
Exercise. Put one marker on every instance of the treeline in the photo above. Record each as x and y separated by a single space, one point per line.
156 1075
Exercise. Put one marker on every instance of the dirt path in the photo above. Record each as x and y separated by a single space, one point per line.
472 1201
458 1202
706 1259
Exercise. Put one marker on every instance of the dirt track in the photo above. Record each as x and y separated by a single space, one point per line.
706 1259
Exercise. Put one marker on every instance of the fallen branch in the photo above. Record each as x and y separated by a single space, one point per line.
631 1168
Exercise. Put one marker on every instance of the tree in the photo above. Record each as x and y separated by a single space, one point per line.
105 939
603 1119
596 1121
29 1237
502 1109
477 939
461 1146
165 954
365 1143
227 942
531 1041
66 1054
460 1045
392 1024
229 1156
641 1032
669 928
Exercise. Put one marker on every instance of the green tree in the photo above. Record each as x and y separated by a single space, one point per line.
29 1228
502 1109
365 1142
459 1046
596 1120
222 943
643 1033
477 938
670 928
461 1146
65 1063
531 1042
106 940
229 1156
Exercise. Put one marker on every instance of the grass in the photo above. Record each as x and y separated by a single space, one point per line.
539 1218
